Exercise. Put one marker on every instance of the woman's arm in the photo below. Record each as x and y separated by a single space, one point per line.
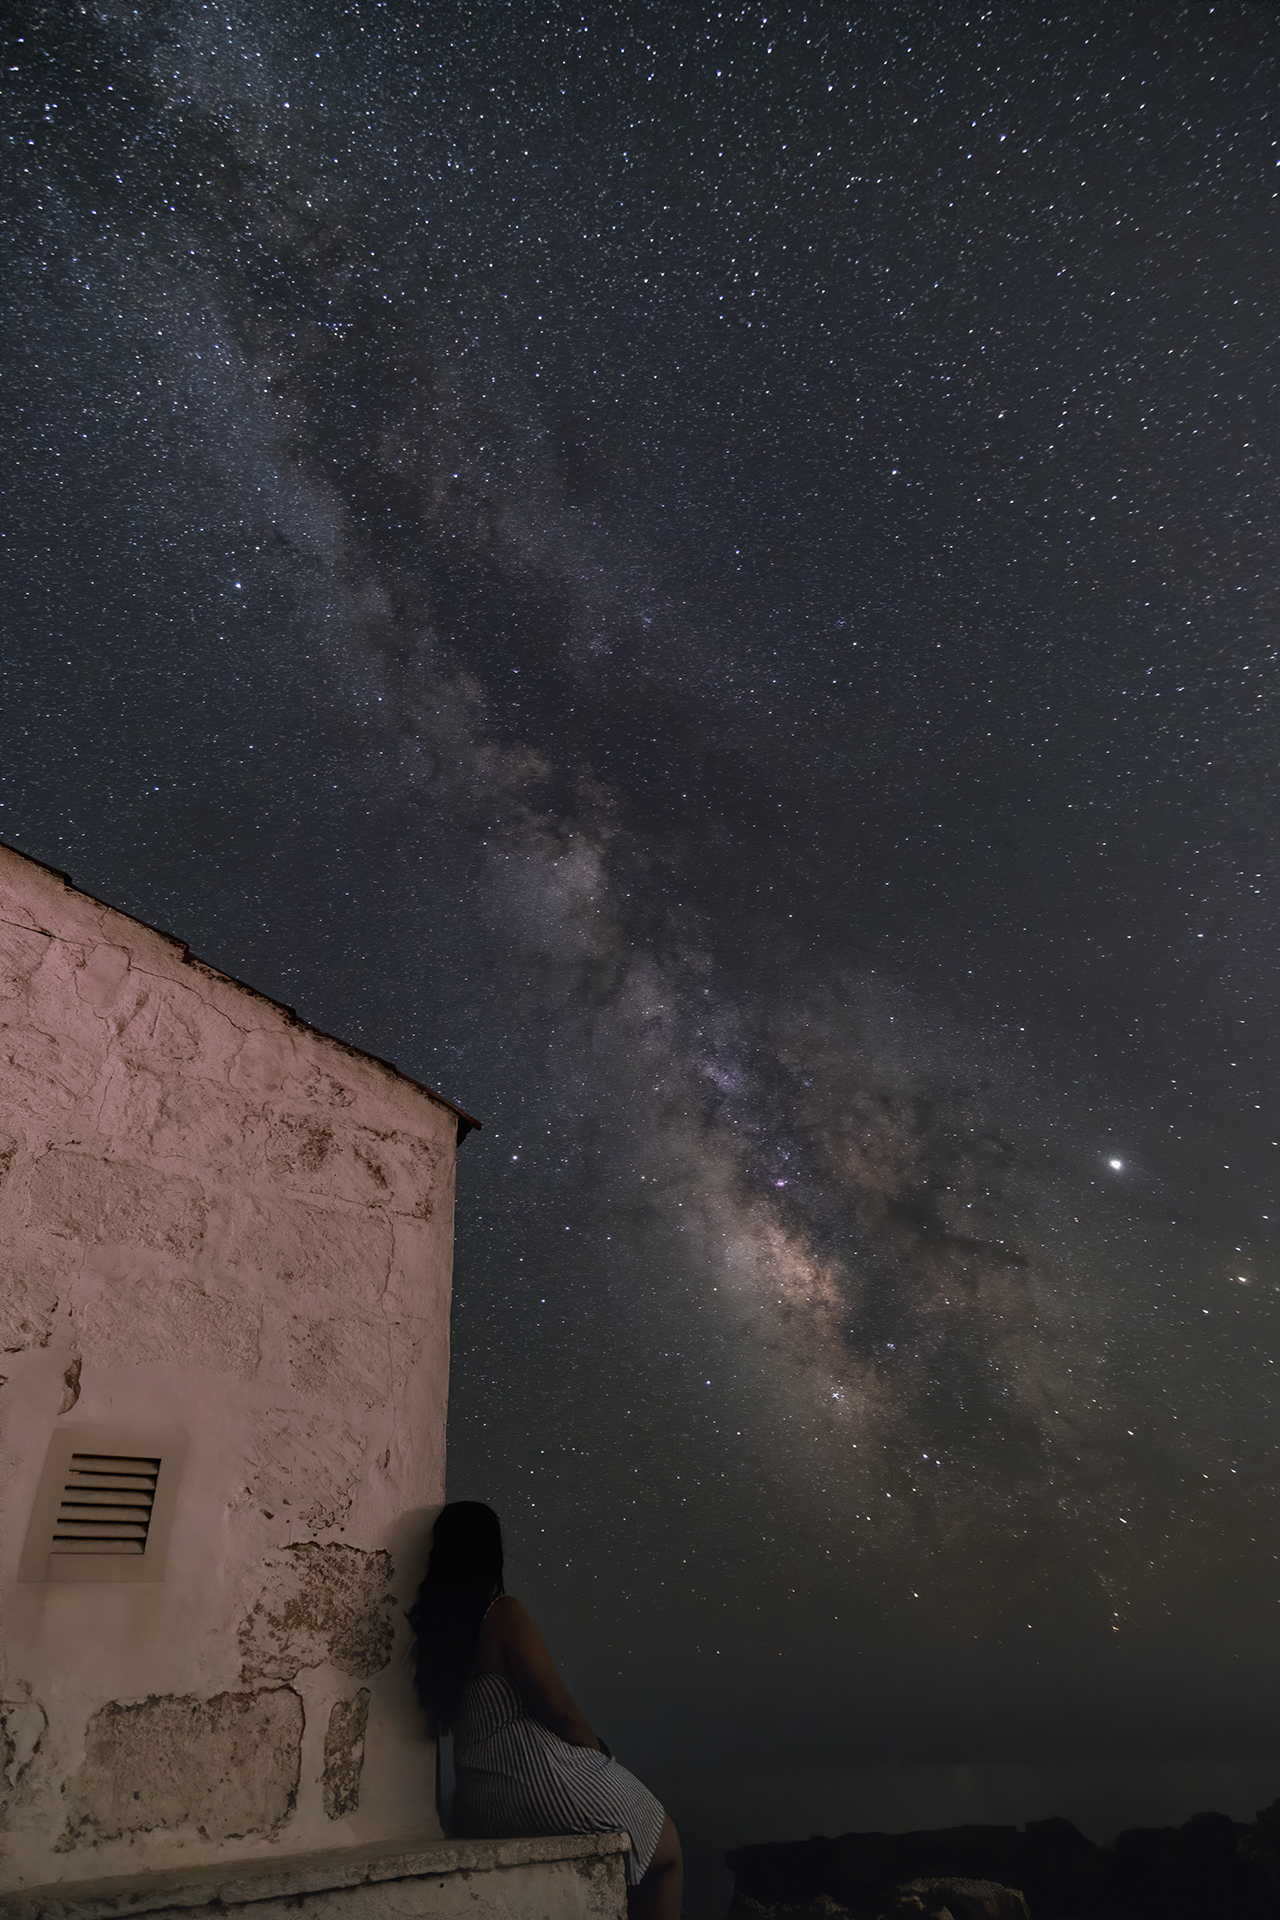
543 1694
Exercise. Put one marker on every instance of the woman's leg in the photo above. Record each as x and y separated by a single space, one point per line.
661 1886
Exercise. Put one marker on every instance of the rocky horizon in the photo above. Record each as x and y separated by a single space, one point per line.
1210 1868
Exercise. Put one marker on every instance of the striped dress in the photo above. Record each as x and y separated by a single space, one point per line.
515 1776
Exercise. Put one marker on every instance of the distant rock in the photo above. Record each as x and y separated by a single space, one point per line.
1211 1868
950 1898
821 1907
1196 1868
860 1873
945 1897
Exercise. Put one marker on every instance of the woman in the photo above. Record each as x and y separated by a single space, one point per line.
524 1758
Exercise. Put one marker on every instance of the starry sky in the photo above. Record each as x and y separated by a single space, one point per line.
705 579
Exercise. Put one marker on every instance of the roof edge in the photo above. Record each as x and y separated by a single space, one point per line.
467 1123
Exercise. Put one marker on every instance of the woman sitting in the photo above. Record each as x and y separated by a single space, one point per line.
525 1761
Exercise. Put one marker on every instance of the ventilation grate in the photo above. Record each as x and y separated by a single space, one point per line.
106 1504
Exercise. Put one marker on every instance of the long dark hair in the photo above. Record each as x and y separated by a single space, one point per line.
466 1560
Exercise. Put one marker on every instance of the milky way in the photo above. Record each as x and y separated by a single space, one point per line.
706 581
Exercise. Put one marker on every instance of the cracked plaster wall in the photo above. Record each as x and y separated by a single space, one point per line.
216 1219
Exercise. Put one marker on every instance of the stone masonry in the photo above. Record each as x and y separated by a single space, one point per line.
232 1236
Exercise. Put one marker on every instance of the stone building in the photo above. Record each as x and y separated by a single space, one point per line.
227 1243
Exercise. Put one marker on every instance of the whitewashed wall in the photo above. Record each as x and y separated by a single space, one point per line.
216 1220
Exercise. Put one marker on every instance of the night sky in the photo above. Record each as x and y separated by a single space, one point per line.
707 581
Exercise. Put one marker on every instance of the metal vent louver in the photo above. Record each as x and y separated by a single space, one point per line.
106 1504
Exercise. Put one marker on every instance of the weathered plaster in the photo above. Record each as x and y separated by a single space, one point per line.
219 1220
344 1754
34 1279
23 1725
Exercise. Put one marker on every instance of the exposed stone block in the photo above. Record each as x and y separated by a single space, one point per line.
149 1319
94 1200
227 1766
344 1754
326 1357
293 1248
325 1603
178 1119
45 1071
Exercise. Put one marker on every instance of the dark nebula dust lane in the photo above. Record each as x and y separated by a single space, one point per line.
707 582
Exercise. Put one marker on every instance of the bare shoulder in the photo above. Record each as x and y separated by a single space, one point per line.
503 1622
504 1617
510 1621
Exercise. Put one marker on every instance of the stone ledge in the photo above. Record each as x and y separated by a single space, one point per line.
231 1883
